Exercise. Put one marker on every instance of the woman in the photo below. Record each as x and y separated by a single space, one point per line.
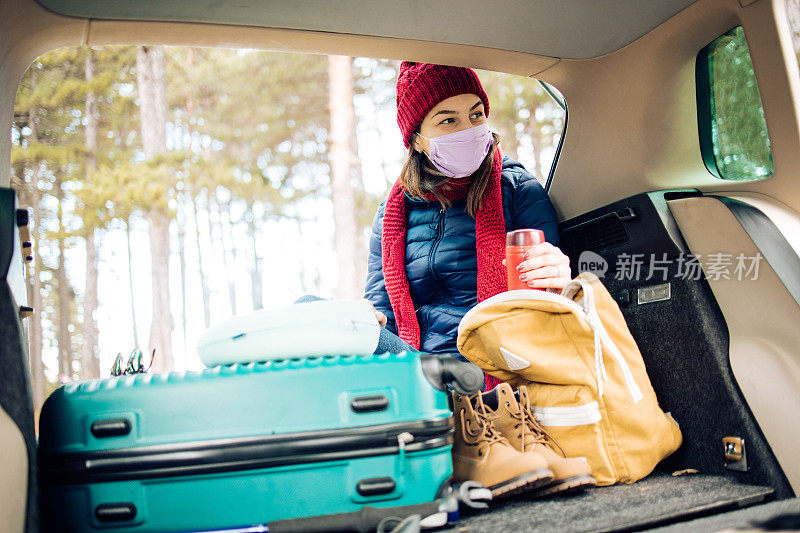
438 240
438 248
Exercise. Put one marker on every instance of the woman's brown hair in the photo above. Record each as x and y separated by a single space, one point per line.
420 178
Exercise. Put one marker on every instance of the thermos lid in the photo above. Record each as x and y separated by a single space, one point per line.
524 237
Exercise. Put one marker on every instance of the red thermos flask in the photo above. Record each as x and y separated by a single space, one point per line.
517 243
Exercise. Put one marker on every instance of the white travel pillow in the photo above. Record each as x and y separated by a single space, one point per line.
310 329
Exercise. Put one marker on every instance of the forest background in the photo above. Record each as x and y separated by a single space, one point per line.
173 188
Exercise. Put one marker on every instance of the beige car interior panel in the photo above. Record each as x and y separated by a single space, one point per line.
567 28
763 324
191 34
625 144
13 476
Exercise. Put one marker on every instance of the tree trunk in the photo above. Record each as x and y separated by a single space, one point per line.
342 130
217 235
361 250
64 291
181 214
153 110
91 116
90 361
256 276
203 282
230 248
536 145
210 199
38 378
130 283
509 139
181 220
309 276
161 326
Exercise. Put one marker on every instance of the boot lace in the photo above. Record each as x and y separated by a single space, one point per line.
526 429
539 434
483 434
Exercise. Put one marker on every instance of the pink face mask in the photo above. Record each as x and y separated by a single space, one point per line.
459 154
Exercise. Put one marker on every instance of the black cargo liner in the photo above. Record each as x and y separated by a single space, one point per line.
684 343
656 500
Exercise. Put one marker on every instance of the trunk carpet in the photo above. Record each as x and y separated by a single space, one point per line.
782 515
656 500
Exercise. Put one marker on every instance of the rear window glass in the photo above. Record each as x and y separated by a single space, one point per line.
219 200
733 132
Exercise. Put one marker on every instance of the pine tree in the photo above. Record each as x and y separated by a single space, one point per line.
46 155
25 180
268 152
153 112
107 126
524 116
343 167
90 359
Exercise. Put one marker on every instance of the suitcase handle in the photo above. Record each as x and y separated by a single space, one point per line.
447 371
111 427
115 512
369 404
376 486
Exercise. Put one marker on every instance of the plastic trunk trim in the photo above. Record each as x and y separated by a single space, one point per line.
770 242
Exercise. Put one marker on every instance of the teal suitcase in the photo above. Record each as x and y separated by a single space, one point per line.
241 445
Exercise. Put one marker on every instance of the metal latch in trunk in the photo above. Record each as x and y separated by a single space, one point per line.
735 454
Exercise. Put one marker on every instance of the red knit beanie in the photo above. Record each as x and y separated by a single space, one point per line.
420 86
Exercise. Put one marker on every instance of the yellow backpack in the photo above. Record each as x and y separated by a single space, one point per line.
585 376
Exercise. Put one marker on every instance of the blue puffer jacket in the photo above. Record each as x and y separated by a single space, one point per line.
441 260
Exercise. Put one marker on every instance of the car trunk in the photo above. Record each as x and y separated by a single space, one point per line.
684 342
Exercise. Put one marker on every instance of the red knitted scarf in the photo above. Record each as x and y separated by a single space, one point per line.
489 242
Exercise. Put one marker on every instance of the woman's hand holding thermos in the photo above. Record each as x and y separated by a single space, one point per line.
533 263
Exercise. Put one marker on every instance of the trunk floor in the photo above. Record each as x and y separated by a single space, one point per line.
785 512
658 499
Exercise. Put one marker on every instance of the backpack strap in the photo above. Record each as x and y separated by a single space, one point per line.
590 313
601 337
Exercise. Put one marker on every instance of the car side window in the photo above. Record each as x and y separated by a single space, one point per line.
733 132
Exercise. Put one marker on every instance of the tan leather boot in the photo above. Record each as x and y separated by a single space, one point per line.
481 454
512 416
